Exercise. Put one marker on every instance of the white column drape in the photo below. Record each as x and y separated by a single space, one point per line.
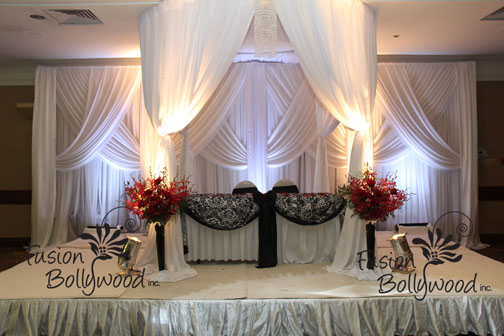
81 115
44 160
326 124
335 42
187 47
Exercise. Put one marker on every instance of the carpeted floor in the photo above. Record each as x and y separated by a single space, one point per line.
495 251
11 256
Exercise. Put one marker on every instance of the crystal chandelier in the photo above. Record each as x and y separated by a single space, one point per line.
265 29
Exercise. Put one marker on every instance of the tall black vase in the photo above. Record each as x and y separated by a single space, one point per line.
370 244
160 245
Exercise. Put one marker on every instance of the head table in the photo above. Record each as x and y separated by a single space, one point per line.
272 227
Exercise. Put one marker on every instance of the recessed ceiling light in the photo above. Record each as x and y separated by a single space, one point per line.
37 17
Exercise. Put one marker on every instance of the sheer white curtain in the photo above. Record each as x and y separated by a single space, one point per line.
87 115
335 42
429 137
187 47
237 127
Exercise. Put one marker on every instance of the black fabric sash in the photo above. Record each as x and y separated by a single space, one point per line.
267 229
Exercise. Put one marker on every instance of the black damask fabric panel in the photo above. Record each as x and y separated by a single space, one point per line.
222 211
309 209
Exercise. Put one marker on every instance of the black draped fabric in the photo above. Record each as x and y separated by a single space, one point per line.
160 247
222 211
267 229
309 209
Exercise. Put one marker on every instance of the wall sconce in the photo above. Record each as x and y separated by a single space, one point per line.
127 259
403 262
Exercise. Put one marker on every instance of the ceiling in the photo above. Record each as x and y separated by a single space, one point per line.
424 27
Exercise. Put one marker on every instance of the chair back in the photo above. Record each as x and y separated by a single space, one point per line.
245 187
285 185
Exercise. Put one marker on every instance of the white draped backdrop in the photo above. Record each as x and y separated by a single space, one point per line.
255 121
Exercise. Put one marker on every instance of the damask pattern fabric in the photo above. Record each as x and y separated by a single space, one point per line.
309 209
222 211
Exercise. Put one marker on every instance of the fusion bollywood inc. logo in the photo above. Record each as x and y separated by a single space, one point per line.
105 245
438 250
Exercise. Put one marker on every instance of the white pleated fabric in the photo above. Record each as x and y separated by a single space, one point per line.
406 116
208 244
326 124
97 128
353 234
450 315
187 47
296 244
44 159
89 115
335 42
261 117
306 244
426 132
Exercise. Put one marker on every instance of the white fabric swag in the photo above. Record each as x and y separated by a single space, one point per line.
426 130
187 47
80 112
235 128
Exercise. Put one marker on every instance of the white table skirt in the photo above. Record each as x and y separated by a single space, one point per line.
306 244
205 243
295 243
358 316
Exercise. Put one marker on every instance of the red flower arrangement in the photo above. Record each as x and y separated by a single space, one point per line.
155 198
371 198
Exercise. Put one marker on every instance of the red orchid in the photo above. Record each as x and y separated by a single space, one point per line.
155 198
371 198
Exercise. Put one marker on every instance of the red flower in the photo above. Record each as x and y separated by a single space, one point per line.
156 199
373 199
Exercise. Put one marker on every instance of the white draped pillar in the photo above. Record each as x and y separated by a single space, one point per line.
256 125
187 47
335 42
44 160
326 124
